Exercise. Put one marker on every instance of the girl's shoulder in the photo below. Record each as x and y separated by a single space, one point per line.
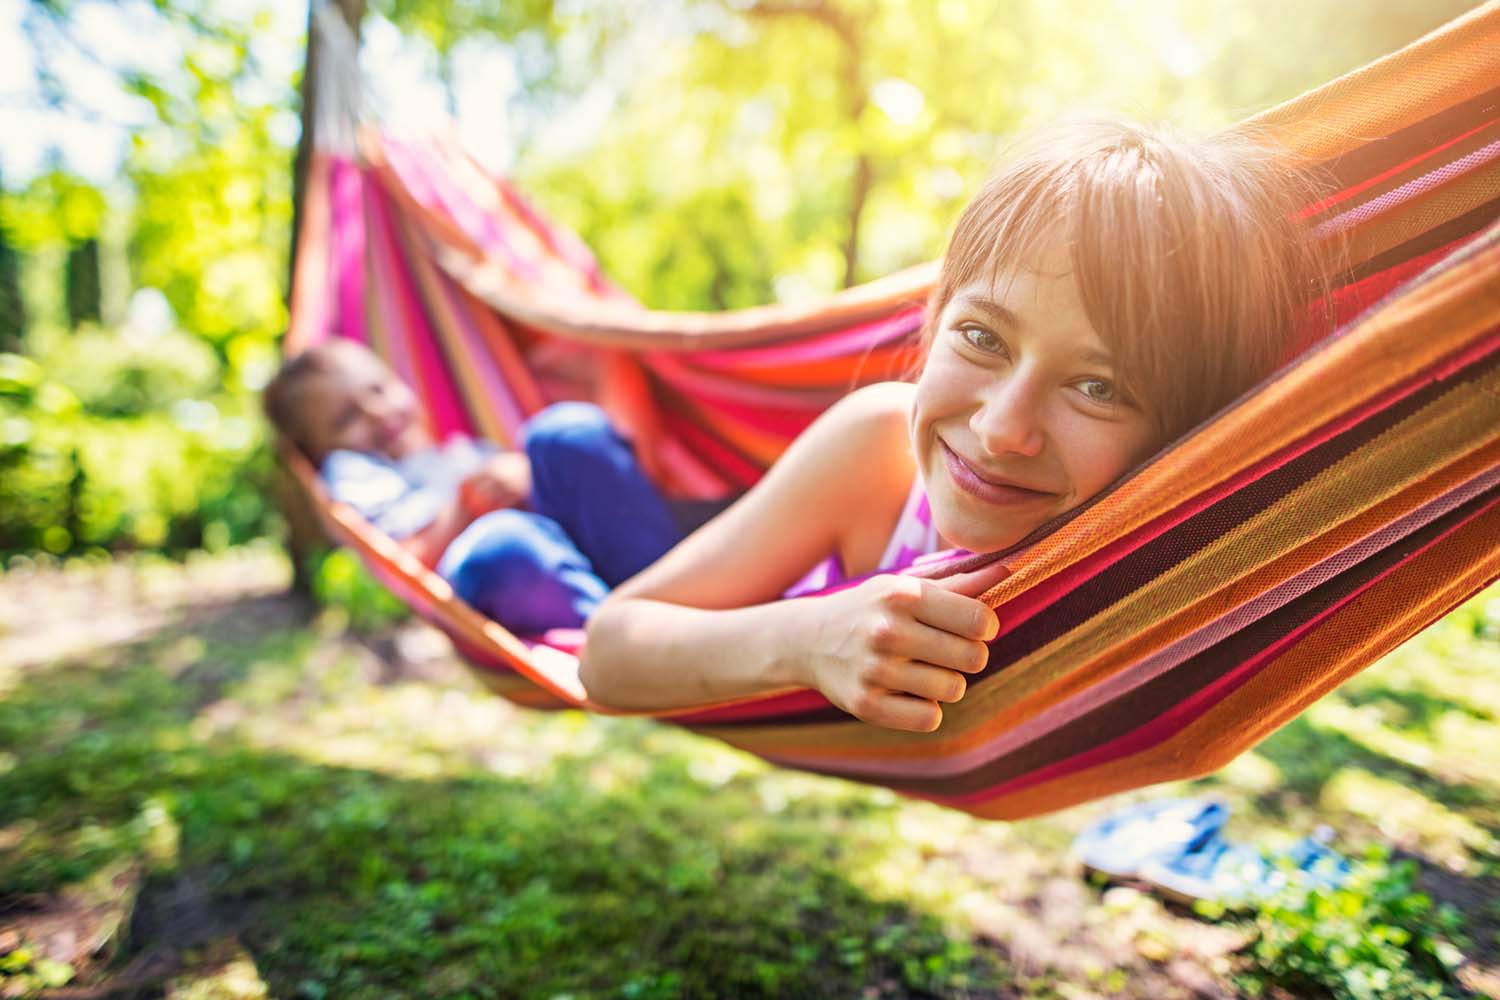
872 429
836 490
866 434
875 413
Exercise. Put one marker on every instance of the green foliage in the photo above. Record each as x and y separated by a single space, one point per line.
717 154
81 282
115 375
368 836
341 582
12 310
212 185
1375 938
371 879
123 454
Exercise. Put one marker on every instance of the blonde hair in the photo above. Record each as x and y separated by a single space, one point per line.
1191 258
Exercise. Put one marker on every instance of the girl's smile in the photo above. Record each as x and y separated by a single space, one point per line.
1019 414
990 489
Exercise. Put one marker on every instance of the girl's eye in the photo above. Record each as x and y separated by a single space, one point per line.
1097 390
982 340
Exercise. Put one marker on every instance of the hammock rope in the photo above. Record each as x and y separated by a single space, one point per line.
1154 634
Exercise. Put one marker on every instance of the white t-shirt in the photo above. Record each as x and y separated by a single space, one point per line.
403 496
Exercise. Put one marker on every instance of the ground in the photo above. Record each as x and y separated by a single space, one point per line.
206 791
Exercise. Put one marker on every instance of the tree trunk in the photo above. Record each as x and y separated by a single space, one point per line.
304 533
856 98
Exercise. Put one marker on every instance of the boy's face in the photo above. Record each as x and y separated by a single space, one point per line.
360 405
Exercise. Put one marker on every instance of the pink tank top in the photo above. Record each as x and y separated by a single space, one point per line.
914 539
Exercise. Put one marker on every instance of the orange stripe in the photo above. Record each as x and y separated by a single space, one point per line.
1372 625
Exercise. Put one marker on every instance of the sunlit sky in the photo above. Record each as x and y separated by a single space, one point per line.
92 134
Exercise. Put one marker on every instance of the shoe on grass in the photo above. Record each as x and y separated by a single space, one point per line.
1121 842
1232 874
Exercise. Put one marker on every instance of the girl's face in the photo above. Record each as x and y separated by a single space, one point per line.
1018 415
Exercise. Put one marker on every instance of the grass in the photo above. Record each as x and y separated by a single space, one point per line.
217 786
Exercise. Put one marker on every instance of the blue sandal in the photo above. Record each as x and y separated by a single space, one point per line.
1122 842
1235 875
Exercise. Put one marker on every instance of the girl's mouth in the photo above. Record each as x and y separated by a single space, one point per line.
998 493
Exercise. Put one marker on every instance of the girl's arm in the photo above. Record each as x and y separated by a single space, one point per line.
705 624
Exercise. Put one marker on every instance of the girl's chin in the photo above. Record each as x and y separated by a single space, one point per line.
964 533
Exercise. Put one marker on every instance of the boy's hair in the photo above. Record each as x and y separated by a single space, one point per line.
282 398
1191 257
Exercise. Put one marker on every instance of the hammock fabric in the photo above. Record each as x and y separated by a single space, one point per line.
1251 567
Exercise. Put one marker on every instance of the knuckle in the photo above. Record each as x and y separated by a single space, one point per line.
900 592
884 633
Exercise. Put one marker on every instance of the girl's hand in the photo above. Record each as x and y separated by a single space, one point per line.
891 650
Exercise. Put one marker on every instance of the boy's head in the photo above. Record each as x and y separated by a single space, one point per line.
339 395
1190 256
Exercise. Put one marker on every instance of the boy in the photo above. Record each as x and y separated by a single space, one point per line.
533 538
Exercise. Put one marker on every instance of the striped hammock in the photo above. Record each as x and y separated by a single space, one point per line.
1175 621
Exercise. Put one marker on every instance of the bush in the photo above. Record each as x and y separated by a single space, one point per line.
340 581
185 473
1375 938
120 376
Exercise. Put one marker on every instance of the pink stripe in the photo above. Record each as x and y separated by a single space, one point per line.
349 250
691 476
454 203
782 420
1175 719
428 377
711 388
474 355
1149 668
381 265
1409 190
565 244
1027 604
836 343
477 223
725 460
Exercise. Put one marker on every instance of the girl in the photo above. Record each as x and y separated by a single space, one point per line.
1108 290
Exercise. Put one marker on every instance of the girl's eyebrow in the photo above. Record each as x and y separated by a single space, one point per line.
996 312
1007 317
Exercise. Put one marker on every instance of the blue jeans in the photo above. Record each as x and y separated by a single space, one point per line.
594 521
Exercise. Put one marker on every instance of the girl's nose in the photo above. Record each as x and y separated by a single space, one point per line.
1009 418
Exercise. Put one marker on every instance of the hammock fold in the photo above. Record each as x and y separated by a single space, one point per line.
1167 626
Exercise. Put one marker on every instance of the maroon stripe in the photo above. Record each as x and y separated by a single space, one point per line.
1149 562
1385 152
1122 715
1467 224
1097 593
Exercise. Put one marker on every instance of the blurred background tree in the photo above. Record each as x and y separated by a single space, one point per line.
715 153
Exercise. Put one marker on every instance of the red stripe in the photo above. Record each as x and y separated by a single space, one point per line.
722 458
1026 605
1347 193
1181 715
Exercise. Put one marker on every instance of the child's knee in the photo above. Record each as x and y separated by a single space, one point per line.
570 430
502 548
